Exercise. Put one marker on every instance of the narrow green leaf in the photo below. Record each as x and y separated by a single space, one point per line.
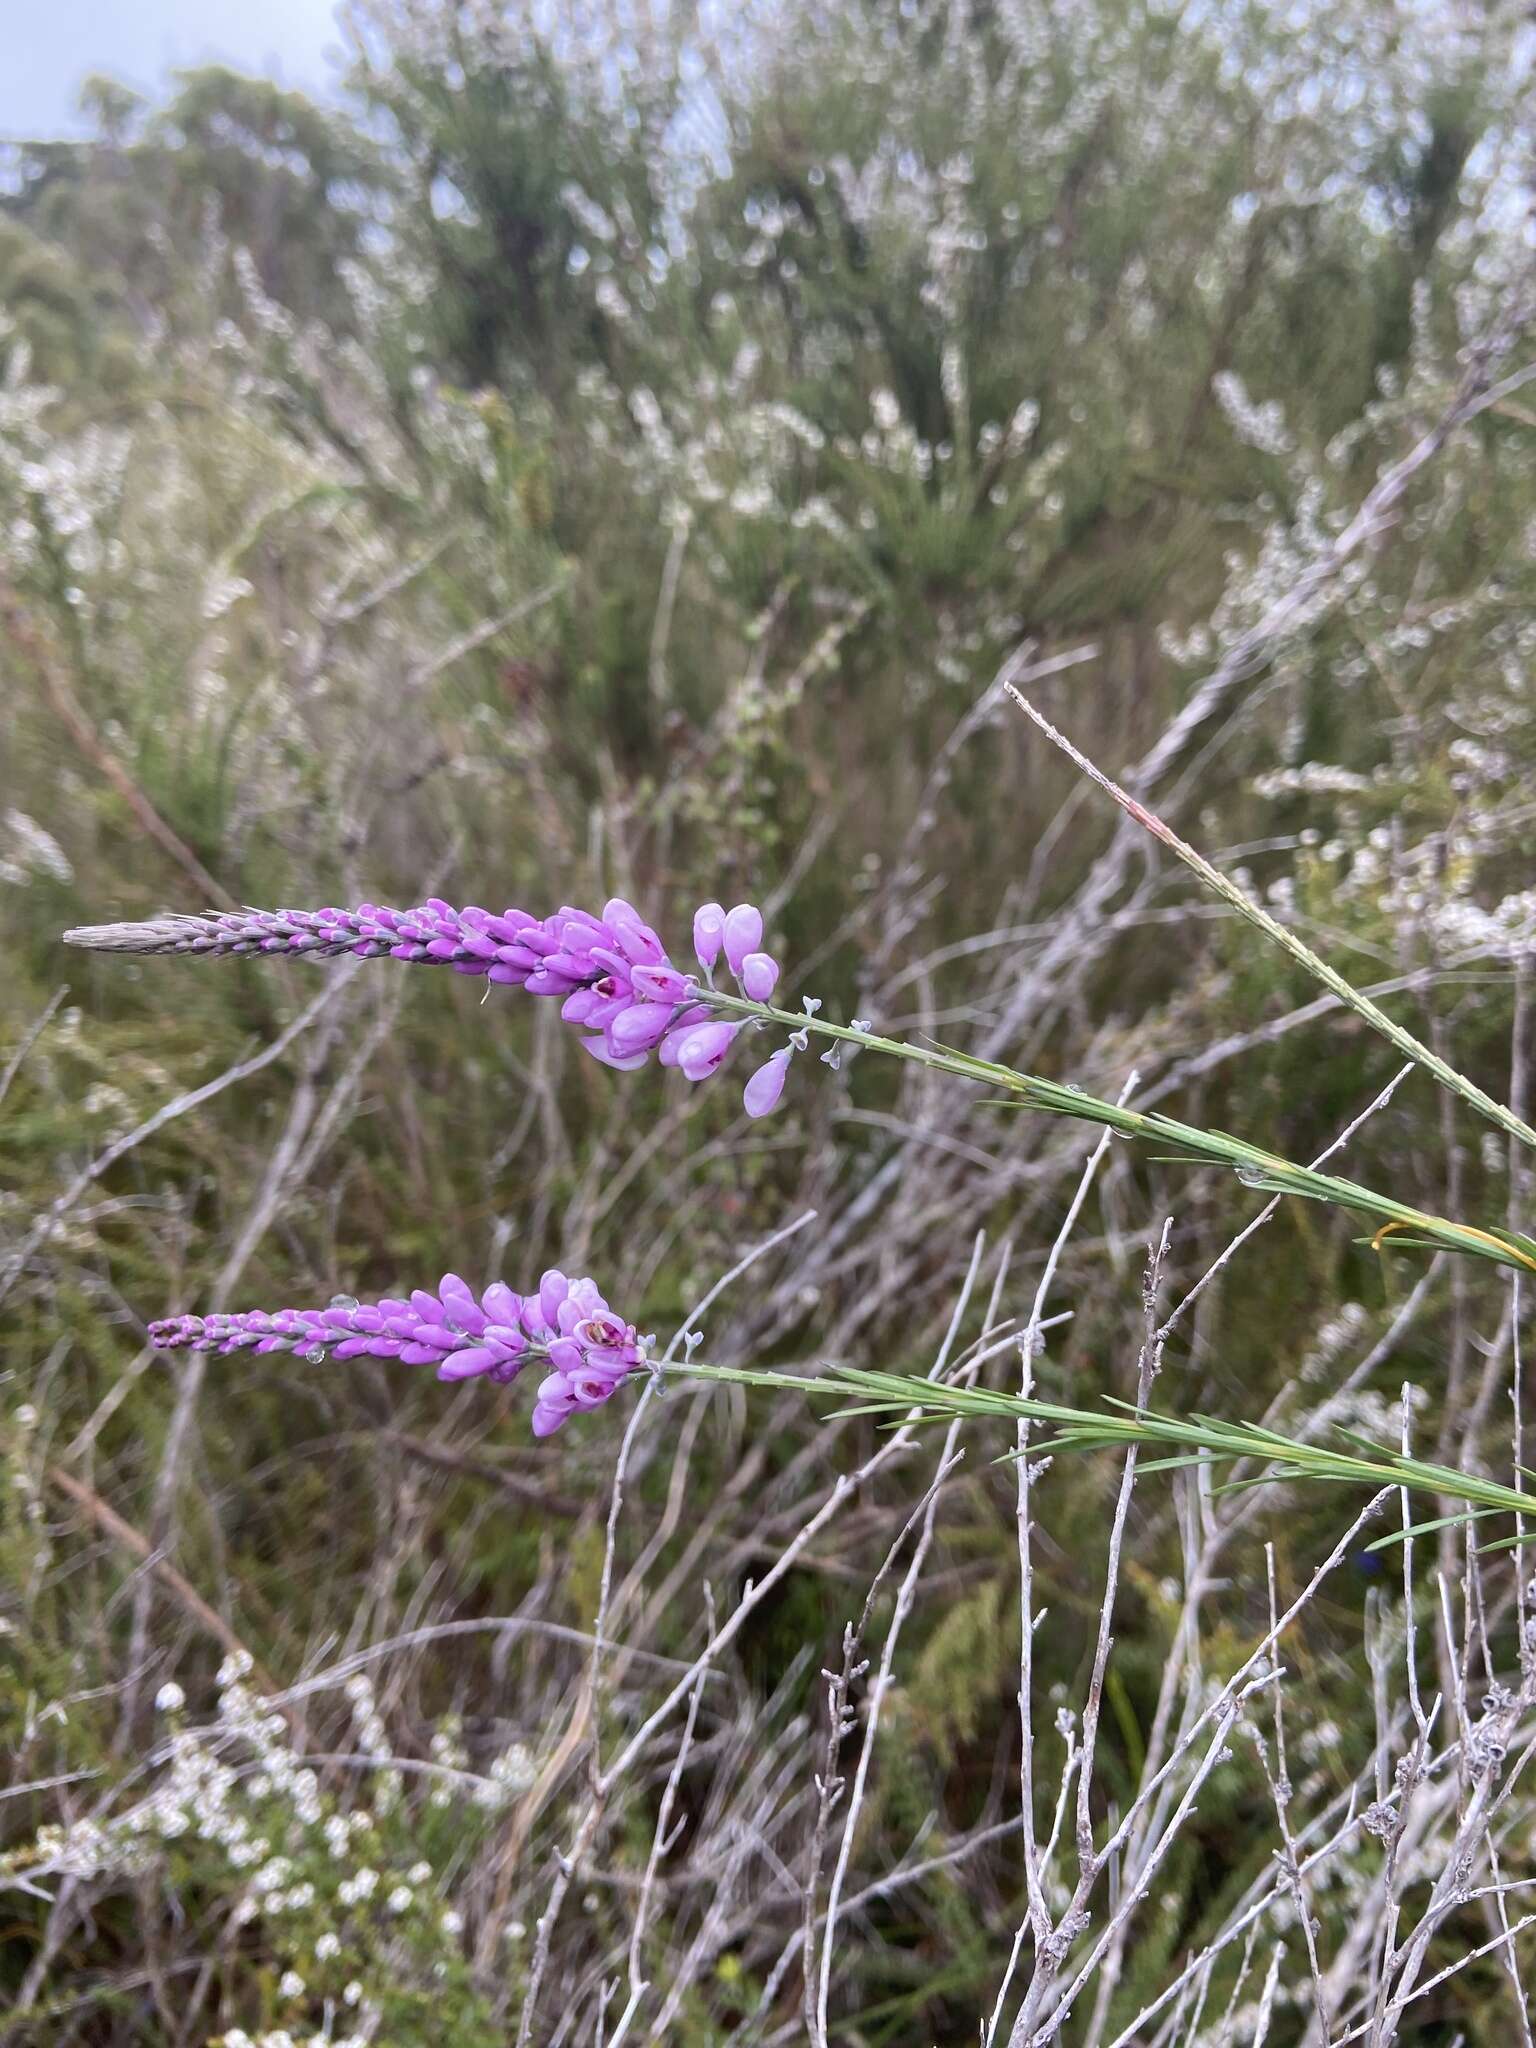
1429 1528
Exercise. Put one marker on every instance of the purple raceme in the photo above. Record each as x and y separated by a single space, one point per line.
611 973
564 1324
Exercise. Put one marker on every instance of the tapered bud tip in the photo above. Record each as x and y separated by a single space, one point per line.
126 938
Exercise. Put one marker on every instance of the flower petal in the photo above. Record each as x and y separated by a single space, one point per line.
704 1048
553 1288
467 1365
639 1028
625 1062
500 1303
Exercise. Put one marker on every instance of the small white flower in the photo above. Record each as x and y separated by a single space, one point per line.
420 1873
170 1699
352 1994
452 1923
327 1946
400 1898
362 1886
291 1984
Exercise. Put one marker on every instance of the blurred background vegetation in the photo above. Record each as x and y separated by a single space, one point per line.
616 454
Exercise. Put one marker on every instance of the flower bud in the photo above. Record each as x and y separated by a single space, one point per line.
743 935
702 1051
759 976
762 1092
708 933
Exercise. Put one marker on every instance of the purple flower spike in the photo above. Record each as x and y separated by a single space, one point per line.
762 1092
610 974
759 976
434 934
702 1051
708 933
460 1335
743 935
565 1323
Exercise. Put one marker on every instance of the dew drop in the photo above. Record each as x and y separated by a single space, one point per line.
315 1355
346 1301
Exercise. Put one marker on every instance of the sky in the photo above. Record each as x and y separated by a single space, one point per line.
48 46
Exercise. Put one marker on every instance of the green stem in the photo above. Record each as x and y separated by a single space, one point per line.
1281 935
1198 1438
1267 1171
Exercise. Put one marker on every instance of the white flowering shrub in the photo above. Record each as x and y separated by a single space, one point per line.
335 1887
